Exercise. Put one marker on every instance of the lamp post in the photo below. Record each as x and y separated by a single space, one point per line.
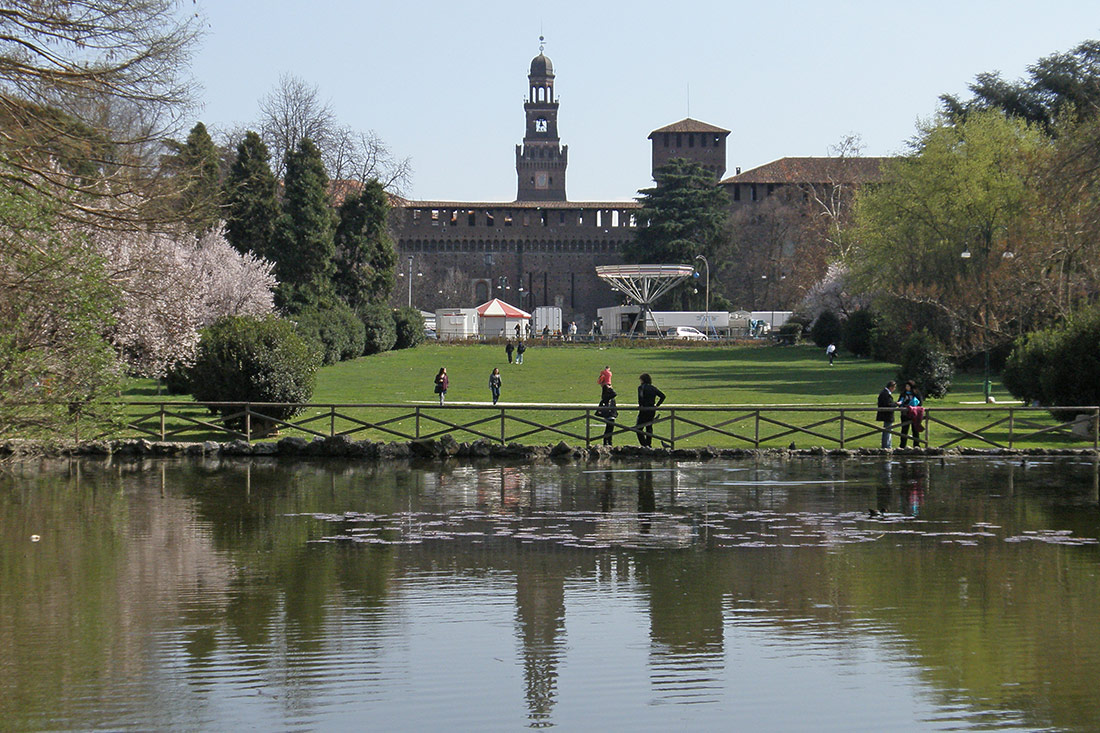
706 302
984 237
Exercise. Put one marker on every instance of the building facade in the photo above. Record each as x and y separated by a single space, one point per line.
540 249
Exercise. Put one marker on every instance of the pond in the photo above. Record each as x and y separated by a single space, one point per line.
816 594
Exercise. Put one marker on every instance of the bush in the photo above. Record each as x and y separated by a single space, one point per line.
242 359
826 329
335 329
1058 366
789 333
857 332
177 380
925 362
381 329
1031 357
410 327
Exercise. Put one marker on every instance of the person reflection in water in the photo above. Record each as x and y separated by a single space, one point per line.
647 500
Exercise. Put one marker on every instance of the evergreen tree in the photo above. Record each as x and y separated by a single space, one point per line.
365 255
196 165
304 236
252 204
682 216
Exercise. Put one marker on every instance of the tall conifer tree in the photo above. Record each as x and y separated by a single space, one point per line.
252 204
196 165
304 237
365 255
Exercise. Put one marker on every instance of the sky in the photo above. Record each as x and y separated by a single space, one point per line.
443 83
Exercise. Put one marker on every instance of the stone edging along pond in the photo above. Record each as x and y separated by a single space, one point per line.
448 447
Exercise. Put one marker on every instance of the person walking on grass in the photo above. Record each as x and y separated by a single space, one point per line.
441 384
886 405
604 380
508 350
649 399
520 348
830 351
607 411
494 384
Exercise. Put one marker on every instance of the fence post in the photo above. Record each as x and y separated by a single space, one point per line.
502 430
587 427
162 422
672 428
417 432
1011 415
1096 429
332 421
842 429
756 435
248 421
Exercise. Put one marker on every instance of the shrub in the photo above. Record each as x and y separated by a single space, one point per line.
925 362
1058 366
335 329
410 327
826 329
789 333
857 331
243 359
381 329
1032 356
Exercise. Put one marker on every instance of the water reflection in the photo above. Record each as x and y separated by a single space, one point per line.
955 593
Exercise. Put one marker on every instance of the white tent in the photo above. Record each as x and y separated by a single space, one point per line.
497 318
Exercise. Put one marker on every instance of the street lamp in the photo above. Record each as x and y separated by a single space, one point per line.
706 302
984 237
419 274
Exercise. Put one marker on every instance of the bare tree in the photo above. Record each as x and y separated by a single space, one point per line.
291 111
363 156
86 88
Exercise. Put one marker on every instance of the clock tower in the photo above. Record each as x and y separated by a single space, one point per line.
541 159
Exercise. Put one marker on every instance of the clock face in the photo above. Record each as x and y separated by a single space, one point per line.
542 179
540 125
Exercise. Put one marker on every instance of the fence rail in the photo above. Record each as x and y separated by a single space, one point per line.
847 426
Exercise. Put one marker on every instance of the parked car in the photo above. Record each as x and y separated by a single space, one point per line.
686 333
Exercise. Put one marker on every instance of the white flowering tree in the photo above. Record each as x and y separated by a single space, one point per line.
172 285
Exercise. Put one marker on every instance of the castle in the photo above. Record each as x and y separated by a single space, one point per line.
542 248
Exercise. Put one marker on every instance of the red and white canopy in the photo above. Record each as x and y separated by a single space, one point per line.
497 308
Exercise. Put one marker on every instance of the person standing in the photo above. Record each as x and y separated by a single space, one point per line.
508 350
441 384
607 411
830 351
909 402
520 348
494 384
649 399
886 405
604 380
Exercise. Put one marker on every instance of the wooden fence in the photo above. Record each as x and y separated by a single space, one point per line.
755 426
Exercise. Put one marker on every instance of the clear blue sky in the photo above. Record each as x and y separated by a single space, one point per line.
443 82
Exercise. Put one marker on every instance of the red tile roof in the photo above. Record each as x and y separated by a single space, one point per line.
813 170
689 125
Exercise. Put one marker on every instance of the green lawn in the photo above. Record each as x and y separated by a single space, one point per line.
566 374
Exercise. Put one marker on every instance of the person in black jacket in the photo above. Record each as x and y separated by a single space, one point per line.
649 399
508 350
886 405
607 412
